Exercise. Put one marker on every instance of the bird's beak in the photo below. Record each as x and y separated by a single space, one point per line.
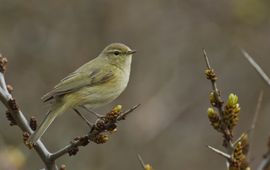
131 52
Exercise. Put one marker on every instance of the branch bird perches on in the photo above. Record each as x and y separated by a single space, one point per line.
98 133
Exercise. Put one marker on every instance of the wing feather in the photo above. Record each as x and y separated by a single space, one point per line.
78 79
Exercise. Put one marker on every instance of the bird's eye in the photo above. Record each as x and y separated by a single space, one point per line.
116 52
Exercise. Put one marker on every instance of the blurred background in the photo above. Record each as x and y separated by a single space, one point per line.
46 40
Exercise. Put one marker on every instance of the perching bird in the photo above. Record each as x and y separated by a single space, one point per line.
94 84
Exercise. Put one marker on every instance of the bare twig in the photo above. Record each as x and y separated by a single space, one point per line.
254 121
126 113
256 66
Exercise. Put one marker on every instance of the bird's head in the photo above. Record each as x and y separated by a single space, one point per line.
118 53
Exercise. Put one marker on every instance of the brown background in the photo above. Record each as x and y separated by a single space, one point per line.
46 40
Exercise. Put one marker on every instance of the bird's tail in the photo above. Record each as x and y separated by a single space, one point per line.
51 115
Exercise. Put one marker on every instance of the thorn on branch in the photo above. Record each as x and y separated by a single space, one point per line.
3 63
219 152
12 121
126 113
144 166
33 123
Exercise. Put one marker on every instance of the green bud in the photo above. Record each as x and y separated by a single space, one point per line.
237 108
211 112
232 100
212 98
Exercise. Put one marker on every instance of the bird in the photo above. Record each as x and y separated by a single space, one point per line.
94 84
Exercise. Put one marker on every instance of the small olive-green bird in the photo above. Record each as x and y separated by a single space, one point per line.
94 84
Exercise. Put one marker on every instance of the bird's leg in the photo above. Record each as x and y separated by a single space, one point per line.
83 117
93 112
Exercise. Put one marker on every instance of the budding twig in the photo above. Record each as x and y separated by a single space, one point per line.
218 102
97 132
224 120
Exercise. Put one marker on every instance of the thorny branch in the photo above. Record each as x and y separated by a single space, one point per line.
224 120
218 103
98 133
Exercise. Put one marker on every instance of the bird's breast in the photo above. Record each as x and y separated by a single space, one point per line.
96 96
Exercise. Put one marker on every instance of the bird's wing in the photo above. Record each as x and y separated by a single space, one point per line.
78 79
